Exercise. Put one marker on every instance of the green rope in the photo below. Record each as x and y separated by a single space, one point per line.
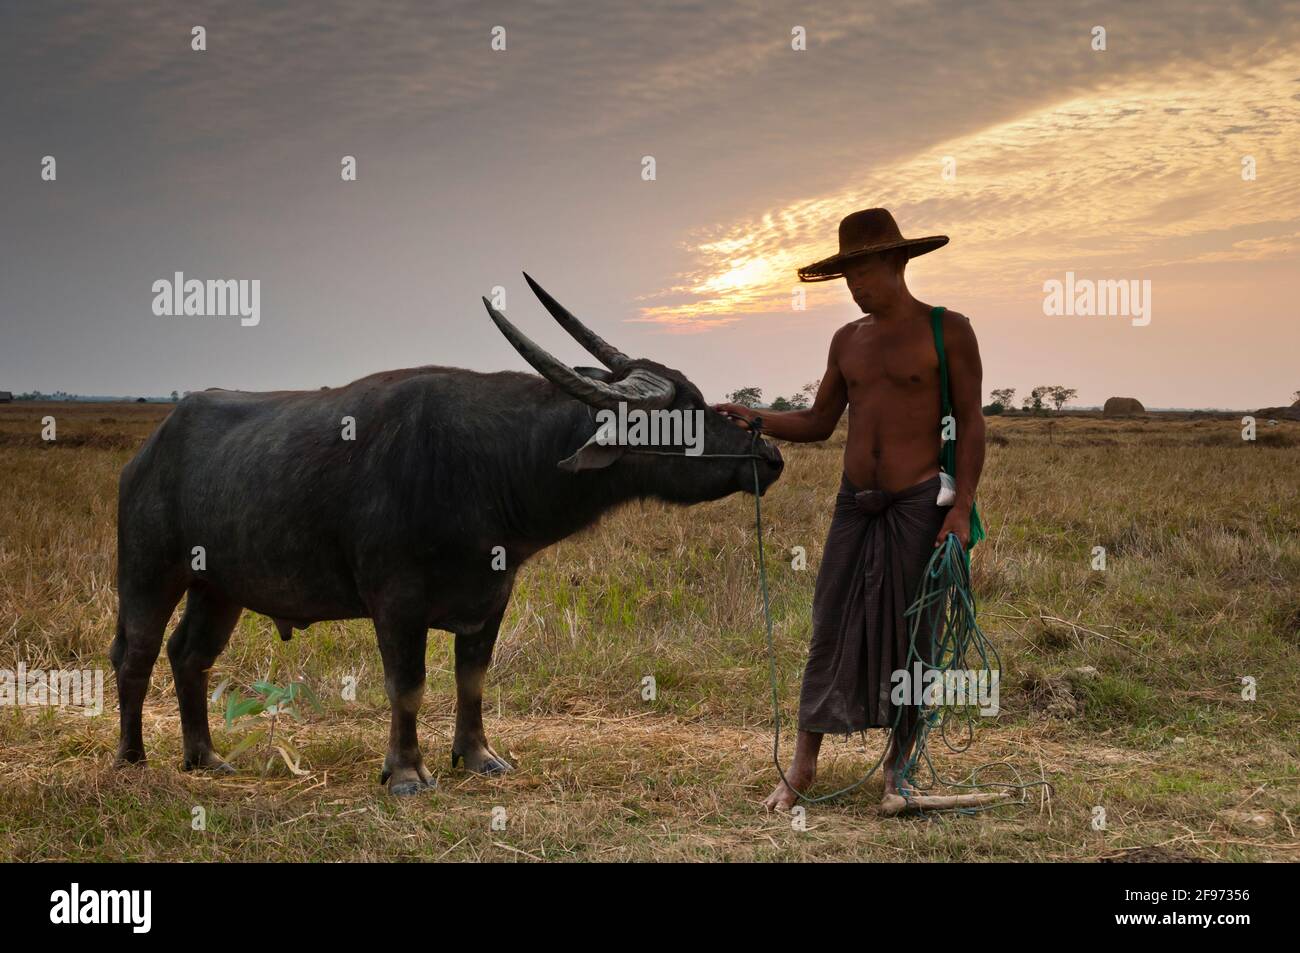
944 595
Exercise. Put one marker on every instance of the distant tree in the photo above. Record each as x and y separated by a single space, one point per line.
1004 397
1034 402
799 401
992 410
810 389
1060 396
175 397
746 396
1295 395
782 404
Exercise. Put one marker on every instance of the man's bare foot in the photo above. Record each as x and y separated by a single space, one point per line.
899 791
894 762
784 797
803 770
895 783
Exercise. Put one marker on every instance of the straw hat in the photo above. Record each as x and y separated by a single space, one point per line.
865 233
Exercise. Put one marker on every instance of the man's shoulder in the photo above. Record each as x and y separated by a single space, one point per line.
846 332
957 325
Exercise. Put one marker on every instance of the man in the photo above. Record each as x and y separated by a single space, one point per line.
885 368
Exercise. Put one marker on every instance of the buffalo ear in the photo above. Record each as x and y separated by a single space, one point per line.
593 455
595 373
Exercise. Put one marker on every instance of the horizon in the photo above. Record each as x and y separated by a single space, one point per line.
74 398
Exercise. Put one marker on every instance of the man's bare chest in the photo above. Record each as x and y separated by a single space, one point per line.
901 361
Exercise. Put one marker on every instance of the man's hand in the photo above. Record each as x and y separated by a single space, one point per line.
957 521
738 414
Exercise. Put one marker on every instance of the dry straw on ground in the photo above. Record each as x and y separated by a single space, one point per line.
1122 687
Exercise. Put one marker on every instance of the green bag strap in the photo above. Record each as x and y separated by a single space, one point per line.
936 323
948 455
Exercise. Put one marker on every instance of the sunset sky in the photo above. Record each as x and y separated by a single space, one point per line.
475 164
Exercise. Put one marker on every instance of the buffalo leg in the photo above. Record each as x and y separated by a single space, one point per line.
141 619
402 645
473 655
203 632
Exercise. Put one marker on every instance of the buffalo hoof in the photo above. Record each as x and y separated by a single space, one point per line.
483 761
210 763
407 780
128 758
408 788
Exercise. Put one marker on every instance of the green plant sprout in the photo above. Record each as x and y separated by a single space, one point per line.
270 701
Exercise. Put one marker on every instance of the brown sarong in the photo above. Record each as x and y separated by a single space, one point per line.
877 549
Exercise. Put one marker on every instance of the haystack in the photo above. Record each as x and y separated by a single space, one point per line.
1122 407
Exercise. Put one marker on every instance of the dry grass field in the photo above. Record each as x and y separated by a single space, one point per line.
1201 589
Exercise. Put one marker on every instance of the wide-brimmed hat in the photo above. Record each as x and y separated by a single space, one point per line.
867 232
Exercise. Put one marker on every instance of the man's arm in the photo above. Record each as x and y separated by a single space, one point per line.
965 378
805 426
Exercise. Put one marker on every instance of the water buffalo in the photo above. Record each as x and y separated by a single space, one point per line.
261 501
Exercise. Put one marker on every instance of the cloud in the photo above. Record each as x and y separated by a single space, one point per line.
1115 179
